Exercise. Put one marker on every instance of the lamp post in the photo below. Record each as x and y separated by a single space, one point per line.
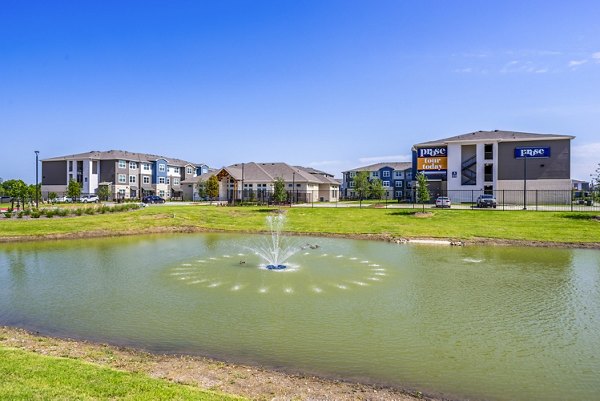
242 184
293 185
37 192
525 182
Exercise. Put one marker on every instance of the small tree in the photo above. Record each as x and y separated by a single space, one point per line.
52 196
212 187
16 189
377 190
279 193
201 189
362 185
104 192
33 191
596 184
422 190
73 190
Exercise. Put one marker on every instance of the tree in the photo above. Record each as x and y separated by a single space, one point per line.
201 189
212 187
279 193
377 190
596 183
104 192
16 189
52 196
32 191
73 190
422 190
362 185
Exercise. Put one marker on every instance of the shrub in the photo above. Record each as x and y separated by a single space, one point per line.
90 210
62 212
49 213
20 214
78 211
35 214
27 212
8 215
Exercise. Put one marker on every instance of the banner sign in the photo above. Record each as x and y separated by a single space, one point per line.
532 152
432 159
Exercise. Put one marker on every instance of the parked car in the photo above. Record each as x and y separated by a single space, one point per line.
5 199
442 201
153 199
63 199
486 201
89 199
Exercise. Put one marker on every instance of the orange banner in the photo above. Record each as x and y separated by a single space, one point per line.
432 163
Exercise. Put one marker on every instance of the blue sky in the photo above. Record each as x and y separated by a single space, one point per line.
328 84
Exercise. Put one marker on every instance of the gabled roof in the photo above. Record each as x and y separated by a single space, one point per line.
122 155
266 173
379 166
495 135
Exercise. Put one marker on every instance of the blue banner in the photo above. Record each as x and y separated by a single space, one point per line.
532 152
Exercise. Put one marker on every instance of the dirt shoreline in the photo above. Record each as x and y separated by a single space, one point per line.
374 237
249 381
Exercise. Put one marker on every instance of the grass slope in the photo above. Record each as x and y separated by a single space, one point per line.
459 224
29 376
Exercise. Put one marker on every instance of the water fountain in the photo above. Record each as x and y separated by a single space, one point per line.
275 249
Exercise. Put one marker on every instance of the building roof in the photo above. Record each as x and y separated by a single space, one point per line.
379 166
122 155
268 172
495 135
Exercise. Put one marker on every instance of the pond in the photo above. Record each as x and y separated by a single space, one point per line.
479 322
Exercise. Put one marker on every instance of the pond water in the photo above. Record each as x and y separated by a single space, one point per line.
478 322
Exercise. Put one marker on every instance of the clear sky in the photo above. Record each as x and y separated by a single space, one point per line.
328 84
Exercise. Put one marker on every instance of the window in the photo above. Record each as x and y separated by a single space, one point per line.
189 170
386 183
122 179
70 165
161 193
168 181
146 167
122 164
488 150
298 185
351 184
398 194
121 193
398 174
132 165
175 181
161 180
146 179
161 168
386 173
375 173
132 179
353 174
398 184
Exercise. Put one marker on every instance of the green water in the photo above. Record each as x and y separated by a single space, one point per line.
475 322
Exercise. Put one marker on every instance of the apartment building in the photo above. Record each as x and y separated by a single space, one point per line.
495 161
127 174
256 181
396 178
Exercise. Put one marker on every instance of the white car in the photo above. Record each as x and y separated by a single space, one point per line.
442 201
63 199
90 199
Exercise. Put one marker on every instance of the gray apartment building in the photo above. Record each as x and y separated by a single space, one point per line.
129 175
396 178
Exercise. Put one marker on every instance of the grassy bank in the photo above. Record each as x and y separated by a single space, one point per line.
27 376
565 227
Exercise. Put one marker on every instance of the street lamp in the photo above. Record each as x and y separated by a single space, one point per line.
293 185
37 191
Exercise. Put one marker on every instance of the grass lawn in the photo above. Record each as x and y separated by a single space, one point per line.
29 376
456 224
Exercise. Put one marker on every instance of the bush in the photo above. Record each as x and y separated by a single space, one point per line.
8 215
35 214
90 210
103 209
20 214
62 212
27 212
78 211
49 213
